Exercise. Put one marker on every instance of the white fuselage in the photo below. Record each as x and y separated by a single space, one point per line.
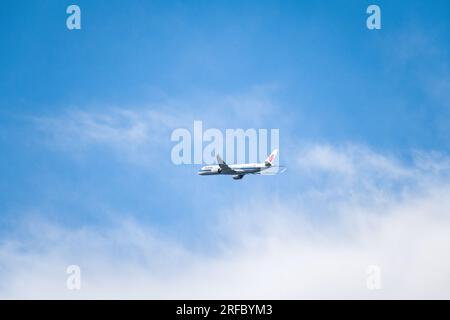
240 169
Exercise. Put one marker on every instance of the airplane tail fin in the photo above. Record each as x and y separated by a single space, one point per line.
271 158
220 160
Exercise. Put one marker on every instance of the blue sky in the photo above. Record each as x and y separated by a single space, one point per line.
69 99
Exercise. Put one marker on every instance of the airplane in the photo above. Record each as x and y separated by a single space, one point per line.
238 171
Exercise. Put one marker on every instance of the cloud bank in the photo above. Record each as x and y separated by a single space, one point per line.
360 208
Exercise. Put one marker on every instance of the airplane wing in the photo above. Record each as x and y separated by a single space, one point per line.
223 166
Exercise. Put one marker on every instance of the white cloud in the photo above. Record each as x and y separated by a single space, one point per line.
293 245
349 160
132 135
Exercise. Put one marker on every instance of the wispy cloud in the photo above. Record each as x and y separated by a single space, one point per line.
271 247
129 134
